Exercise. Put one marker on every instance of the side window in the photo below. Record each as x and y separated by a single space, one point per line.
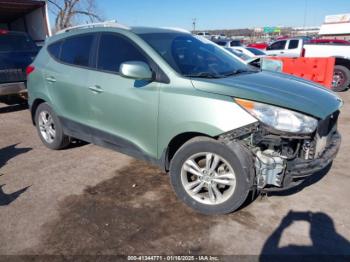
279 45
293 44
76 50
115 50
235 43
55 49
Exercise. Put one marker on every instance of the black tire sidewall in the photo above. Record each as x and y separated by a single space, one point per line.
60 140
209 145
346 73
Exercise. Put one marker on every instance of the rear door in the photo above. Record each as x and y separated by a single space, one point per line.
294 48
277 48
66 78
125 111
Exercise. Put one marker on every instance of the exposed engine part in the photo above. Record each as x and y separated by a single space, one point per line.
270 168
308 150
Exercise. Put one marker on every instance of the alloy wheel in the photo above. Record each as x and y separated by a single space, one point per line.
47 126
208 178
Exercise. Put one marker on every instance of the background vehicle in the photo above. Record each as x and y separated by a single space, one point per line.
30 16
21 23
241 55
329 41
250 51
261 46
219 127
205 35
297 47
17 51
228 43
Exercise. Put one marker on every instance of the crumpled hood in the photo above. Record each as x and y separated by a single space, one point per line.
276 89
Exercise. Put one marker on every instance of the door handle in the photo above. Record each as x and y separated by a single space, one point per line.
96 89
282 52
51 79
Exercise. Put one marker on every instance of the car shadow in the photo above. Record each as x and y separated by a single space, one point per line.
13 104
327 244
76 143
6 154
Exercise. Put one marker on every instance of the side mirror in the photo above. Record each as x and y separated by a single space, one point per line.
271 65
136 70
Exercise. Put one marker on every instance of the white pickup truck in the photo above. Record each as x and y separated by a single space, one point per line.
296 47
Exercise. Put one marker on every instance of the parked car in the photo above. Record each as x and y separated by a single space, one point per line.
240 55
250 51
261 46
296 47
329 41
228 43
26 16
17 51
218 127
205 35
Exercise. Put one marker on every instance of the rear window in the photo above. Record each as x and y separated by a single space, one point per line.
222 43
293 44
236 43
76 50
16 42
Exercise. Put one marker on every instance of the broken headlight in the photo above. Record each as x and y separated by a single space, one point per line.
280 118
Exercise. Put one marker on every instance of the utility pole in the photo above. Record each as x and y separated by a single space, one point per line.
194 21
305 13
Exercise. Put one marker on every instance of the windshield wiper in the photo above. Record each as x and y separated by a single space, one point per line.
237 72
203 75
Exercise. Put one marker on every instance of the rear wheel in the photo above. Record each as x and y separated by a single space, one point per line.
208 176
341 78
49 128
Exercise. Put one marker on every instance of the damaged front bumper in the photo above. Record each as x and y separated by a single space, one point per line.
281 160
298 170
301 168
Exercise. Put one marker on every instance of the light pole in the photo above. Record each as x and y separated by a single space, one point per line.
194 21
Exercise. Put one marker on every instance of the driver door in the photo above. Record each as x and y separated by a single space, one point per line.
125 111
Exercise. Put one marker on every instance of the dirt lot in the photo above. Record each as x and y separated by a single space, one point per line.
90 200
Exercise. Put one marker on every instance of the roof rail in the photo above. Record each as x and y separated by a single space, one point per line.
111 23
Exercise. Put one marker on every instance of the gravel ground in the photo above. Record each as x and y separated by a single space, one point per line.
87 200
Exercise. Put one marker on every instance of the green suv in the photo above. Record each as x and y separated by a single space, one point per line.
220 128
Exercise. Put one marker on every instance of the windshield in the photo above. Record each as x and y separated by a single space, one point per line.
255 51
194 56
16 42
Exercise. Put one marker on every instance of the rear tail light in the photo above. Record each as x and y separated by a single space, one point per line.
3 32
29 69
303 52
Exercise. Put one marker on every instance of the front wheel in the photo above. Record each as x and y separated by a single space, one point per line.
208 176
341 78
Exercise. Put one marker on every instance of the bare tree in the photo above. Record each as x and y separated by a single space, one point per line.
71 12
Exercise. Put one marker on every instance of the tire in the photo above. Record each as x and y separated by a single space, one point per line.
57 141
229 200
341 78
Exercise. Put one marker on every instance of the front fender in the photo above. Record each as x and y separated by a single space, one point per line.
198 112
